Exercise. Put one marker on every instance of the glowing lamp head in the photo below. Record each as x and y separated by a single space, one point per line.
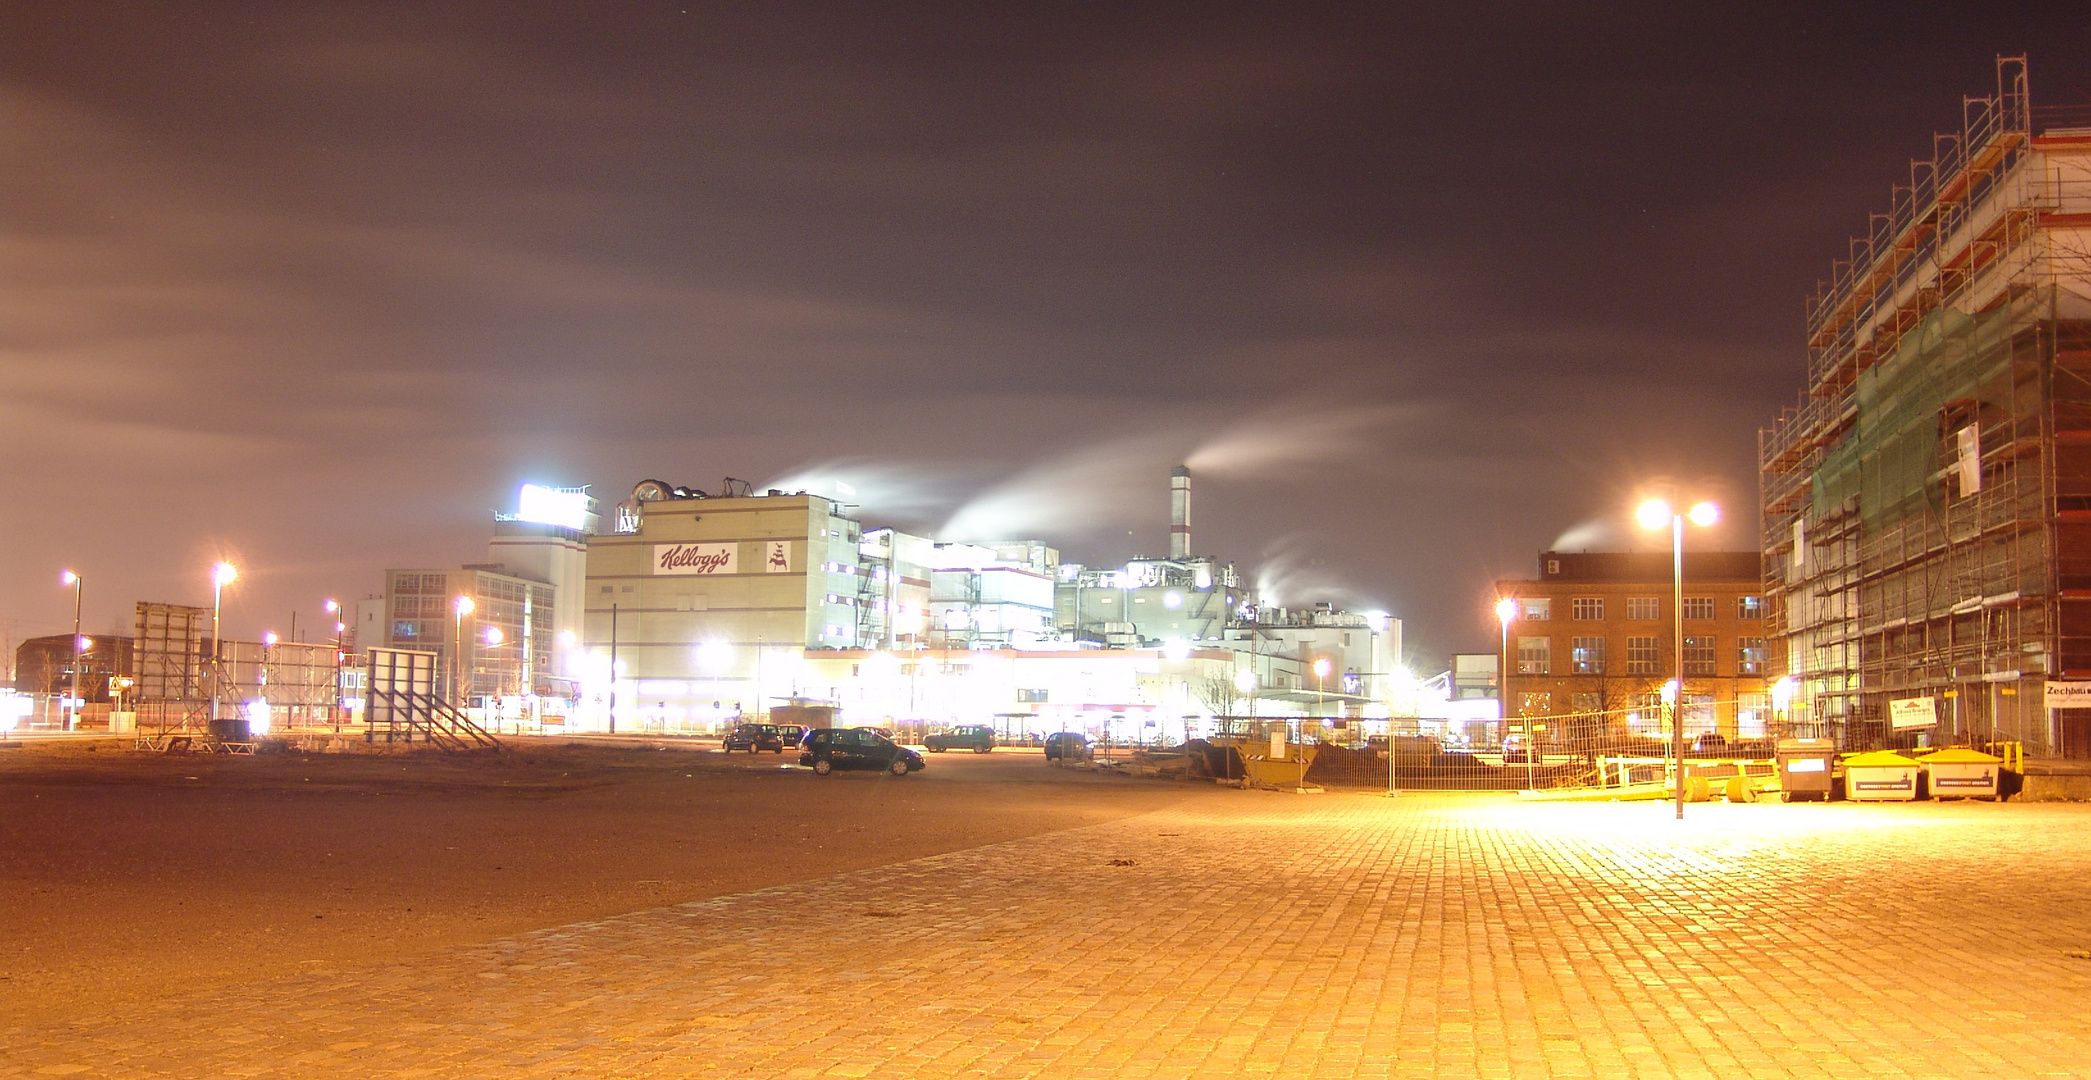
1653 514
340 627
493 635
567 640
1322 667
330 605
1782 692
1245 681
224 574
1176 649
83 643
1506 611
464 606
67 577
1703 514
269 638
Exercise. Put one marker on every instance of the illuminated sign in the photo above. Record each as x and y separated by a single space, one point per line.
1912 713
696 558
550 506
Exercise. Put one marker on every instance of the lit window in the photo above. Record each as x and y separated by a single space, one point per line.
1588 655
1537 610
1751 656
1534 655
1749 607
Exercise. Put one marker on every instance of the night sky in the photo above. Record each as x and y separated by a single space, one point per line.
1415 292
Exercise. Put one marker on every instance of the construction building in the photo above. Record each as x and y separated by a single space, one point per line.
1927 503
1593 645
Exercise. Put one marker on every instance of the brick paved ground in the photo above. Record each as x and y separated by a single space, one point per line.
1255 934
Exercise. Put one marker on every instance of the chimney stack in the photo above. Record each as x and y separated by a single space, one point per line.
1180 513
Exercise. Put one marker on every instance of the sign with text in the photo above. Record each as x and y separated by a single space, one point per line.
1913 712
696 558
2068 695
777 557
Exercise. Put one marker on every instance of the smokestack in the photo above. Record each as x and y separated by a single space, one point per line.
1180 513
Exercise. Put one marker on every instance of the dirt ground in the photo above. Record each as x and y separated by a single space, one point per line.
125 875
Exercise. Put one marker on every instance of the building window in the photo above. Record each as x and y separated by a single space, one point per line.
1587 608
1534 655
1751 656
1642 658
1698 715
1647 715
1537 703
1539 610
1644 608
1588 655
404 629
1698 607
1749 607
1031 697
1588 703
1698 656
1753 708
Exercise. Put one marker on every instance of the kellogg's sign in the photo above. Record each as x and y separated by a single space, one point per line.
695 558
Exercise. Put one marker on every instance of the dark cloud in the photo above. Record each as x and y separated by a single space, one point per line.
1417 290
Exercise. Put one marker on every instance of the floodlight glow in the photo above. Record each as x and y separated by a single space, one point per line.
1506 611
1704 514
1782 692
1653 514
330 606
67 577
549 506
1245 681
1202 578
1321 667
464 606
269 638
494 635
1172 599
83 643
1670 692
1378 621
715 657
1176 649
224 574
567 639
258 716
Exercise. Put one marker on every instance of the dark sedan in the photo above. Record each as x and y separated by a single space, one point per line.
828 749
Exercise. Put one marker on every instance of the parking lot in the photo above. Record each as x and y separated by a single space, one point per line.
1171 930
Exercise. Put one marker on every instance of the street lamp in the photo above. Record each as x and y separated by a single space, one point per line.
463 606
1652 514
72 707
333 609
1506 613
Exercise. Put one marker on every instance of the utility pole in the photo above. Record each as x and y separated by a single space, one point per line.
613 669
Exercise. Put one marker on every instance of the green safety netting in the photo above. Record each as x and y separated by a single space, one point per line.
1892 456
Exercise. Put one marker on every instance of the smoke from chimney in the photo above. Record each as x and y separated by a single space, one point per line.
1180 513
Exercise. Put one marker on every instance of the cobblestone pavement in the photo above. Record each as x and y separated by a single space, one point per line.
1255 934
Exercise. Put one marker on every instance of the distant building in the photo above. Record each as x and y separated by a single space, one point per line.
1593 644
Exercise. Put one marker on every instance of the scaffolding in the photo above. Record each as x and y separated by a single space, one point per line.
1927 503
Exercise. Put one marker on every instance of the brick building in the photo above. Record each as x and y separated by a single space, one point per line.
1593 644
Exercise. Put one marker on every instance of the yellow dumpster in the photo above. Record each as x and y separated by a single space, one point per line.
1881 776
1961 773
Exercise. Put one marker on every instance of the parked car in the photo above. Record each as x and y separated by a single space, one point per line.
791 735
1067 746
828 749
979 739
753 738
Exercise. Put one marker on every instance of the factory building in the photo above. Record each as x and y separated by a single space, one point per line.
713 607
703 604
1927 503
